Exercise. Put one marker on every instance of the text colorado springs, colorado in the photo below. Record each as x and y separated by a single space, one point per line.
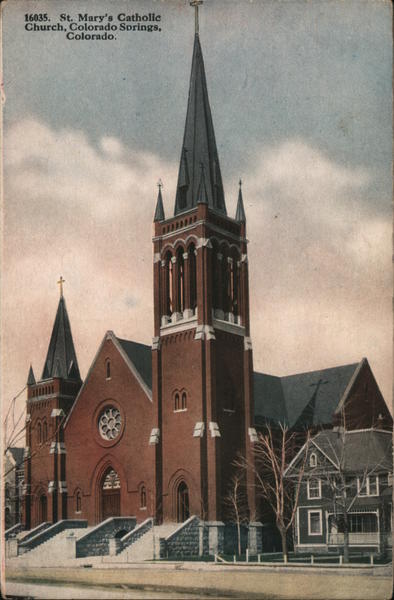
85 26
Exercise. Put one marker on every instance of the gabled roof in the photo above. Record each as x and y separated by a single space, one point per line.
357 450
199 145
141 357
303 399
61 360
138 358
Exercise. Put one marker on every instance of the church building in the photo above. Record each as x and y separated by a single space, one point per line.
154 430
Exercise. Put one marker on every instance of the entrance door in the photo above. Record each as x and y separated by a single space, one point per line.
42 508
182 505
110 495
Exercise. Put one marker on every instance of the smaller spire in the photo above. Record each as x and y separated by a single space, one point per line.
240 214
159 212
31 380
202 196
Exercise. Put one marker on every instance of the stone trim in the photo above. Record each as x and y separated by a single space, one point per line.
214 429
205 332
57 412
155 343
156 257
51 487
252 435
154 436
57 448
199 429
248 344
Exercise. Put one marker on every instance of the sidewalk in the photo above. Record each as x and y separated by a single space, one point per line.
213 580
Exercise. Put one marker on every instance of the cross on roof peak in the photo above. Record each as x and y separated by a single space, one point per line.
60 282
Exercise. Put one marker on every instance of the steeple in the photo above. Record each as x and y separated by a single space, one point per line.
31 380
240 214
199 145
61 360
159 212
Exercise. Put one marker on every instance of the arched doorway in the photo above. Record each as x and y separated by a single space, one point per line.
110 494
42 509
182 502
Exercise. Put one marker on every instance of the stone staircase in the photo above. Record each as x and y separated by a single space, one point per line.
147 547
54 551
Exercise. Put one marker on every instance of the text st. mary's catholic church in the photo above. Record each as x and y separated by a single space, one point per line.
153 431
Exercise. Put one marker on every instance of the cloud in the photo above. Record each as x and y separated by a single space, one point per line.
320 274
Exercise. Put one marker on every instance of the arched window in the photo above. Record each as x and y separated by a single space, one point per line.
183 403
39 438
180 281
193 276
78 502
176 402
143 497
313 460
108 369
44 432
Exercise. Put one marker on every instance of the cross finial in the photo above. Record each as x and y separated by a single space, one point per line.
196 4
60 282
160 184
240 182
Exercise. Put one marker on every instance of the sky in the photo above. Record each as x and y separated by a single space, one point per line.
300 94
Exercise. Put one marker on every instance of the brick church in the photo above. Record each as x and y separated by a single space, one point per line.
153 430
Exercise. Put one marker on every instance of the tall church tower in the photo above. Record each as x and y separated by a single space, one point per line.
48 402
202 352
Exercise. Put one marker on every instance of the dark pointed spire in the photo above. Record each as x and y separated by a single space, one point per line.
240 214
159 212
31 380
199 145
202 196
61 357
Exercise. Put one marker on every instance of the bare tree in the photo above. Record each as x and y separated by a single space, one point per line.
272 454
236 504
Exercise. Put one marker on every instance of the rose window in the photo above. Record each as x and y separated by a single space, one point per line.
110 423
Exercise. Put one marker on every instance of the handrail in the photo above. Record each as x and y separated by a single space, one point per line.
137 532
181 526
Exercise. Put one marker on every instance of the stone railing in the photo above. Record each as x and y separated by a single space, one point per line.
184 541
97 541
49 532
33 532
134 535
12 531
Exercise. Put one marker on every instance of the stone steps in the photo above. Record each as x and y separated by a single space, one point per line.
53 551
147 547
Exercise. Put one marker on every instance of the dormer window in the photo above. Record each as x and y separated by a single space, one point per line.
313 460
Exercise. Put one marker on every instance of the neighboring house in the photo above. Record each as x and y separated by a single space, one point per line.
13 480
346 491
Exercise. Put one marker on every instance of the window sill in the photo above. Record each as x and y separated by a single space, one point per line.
177 410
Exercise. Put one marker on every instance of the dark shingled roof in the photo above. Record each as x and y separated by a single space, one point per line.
17 454
304 399
141 357
199 145
61 360
369 449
